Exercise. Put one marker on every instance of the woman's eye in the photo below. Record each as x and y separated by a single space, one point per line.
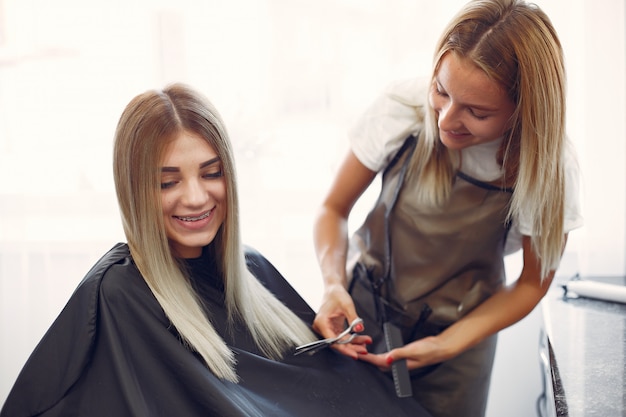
166 185
216 174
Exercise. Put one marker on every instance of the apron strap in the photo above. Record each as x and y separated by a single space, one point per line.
409 145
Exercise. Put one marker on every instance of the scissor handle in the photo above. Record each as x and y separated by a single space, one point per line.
339 339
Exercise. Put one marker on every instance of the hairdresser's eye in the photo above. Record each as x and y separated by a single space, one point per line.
439 90
477 115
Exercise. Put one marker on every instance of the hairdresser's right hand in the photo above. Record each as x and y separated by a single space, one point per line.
336 309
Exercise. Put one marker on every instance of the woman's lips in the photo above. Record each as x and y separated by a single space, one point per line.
194 218
194 222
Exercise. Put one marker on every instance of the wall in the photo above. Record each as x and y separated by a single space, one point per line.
289 76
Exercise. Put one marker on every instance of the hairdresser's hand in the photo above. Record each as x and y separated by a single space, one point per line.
336 309
423 352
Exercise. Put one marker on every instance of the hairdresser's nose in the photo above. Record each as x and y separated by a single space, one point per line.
450 117
195 194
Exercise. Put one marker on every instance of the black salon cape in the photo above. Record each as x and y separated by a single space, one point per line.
112 352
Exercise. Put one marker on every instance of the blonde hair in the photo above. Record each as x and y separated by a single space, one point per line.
149 122
515 44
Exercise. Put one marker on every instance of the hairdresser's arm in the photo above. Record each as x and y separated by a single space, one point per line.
331 243
504 308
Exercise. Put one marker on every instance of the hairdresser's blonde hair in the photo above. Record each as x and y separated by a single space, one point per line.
516 45
149 122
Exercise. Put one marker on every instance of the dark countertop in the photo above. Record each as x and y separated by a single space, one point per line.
586 341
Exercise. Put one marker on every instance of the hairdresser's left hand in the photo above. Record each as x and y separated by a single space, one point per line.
423 352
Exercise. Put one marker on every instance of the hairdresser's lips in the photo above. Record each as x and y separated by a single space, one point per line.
194 221
455 140
455 135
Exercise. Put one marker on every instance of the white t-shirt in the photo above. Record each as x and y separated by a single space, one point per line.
396 114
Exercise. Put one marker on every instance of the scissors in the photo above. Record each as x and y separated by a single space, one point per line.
342 338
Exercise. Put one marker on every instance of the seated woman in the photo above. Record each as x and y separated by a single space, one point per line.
183 320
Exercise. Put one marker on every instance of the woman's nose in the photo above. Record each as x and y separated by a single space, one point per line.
195 194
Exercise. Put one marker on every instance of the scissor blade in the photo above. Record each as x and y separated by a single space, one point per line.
312 347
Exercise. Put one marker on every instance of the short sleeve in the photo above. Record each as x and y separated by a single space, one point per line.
391 118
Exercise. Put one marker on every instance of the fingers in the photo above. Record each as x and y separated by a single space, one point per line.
337 307
378 360
329 325
420 353
413 359
384 360
354 349
363 340
359 327
351 350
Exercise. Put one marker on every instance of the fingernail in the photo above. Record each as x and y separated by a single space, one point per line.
358 328
389 360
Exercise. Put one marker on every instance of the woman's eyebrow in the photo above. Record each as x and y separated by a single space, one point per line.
210 162
202 165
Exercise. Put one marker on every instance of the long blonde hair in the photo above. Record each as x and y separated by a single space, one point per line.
149 122
516 45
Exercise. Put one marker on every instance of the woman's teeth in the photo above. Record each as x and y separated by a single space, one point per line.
194 219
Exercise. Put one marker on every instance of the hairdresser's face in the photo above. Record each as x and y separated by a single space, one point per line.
471 108
193 194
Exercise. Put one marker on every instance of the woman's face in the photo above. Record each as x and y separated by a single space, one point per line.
471 108
193 194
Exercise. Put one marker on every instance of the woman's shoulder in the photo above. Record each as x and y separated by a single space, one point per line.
113 279
121 286
111 268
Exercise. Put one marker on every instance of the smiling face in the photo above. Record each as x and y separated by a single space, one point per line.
471 108
193 194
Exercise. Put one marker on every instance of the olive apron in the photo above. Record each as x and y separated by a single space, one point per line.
423 268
